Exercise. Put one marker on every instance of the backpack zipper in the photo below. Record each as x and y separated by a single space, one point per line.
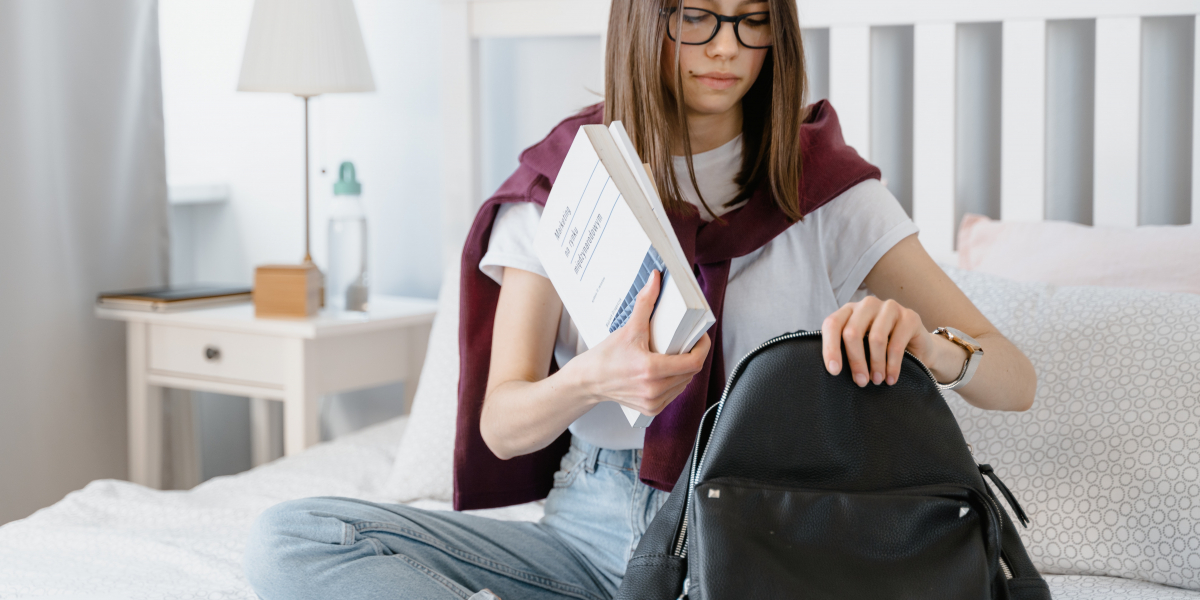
681 541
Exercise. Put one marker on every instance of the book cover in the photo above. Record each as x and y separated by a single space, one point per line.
173 298
600 238
176 293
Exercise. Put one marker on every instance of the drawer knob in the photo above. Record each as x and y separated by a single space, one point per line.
212 353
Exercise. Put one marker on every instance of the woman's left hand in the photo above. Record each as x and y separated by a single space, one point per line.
889 329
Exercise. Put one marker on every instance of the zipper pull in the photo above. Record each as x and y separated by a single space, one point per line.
686 583
986 471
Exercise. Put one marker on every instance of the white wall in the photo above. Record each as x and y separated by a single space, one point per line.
526 87
892 108
1070 115
977 127
1167 109
254 143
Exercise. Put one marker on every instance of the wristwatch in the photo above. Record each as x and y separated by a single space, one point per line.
974 355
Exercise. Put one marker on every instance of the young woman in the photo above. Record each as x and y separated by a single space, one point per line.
787 228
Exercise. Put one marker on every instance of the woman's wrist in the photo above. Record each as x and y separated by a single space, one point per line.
576 383
948 359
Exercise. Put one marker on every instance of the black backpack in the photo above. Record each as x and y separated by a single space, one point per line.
803 485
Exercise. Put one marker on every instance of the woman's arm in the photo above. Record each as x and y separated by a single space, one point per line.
912 296
524 410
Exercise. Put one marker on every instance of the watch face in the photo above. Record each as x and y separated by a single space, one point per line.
963 339
974 355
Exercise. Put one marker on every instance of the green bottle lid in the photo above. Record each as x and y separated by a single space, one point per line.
346 184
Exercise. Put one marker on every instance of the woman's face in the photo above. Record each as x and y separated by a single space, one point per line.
715 75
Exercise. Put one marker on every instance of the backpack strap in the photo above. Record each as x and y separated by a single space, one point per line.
986 471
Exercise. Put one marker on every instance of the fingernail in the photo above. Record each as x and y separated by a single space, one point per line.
833 367
878 378
861 379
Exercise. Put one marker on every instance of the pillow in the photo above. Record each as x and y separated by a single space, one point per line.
1151 257
424 467
1107 462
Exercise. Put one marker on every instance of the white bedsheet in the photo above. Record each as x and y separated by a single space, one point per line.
115 539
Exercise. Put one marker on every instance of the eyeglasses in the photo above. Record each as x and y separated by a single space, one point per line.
699 26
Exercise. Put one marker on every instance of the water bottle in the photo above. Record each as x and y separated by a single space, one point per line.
346 283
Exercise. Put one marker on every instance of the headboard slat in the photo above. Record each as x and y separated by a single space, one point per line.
933 136
1023 121
1196 122
1118 96
850 83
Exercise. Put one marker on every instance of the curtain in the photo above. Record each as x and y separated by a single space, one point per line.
82 210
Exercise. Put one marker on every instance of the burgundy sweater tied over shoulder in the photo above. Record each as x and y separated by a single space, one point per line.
481 480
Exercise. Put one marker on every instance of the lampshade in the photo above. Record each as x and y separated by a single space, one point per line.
305 47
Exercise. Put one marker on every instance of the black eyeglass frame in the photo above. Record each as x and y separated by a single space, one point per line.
737 21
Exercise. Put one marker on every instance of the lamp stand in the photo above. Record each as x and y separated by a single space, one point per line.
307 248
308 261
292 291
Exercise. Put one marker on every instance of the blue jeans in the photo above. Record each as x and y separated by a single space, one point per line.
347 548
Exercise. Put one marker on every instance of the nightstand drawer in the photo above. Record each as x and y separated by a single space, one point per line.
217 354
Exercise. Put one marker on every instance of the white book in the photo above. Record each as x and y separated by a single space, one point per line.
603 231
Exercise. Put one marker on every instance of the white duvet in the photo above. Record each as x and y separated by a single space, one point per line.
115 539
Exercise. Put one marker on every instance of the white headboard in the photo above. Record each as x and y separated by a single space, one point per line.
1138 149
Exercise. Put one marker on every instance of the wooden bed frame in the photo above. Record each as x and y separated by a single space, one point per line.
1118 76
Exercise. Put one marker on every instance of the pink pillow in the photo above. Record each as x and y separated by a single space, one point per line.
1159 257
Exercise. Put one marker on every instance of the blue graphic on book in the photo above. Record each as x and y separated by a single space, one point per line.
651 262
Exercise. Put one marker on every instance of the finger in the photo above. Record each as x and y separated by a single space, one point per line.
882 329
831 338
852 335
905 330
644 304
690 363
699 352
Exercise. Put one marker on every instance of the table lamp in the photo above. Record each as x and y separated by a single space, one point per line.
306 48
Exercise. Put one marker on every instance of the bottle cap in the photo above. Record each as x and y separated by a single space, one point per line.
346 184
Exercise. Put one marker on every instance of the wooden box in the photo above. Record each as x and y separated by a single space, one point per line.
287 291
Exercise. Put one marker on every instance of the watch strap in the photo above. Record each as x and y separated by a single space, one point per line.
974 354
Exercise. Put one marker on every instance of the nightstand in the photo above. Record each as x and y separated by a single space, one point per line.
227 350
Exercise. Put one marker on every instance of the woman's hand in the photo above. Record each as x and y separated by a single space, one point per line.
889 329
623 369
1005 379
526 408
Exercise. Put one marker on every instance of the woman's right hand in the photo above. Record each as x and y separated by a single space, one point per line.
526 408
623 369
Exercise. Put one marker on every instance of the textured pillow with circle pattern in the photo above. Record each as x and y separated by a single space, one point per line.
1107 462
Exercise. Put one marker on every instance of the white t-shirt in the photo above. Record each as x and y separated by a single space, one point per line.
791 283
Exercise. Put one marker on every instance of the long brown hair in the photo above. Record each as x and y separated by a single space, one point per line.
772 109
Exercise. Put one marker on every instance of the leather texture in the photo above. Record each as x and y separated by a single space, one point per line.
808 486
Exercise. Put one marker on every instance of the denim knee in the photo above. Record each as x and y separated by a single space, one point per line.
288 539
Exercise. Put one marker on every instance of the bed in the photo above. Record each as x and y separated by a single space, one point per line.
115 539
